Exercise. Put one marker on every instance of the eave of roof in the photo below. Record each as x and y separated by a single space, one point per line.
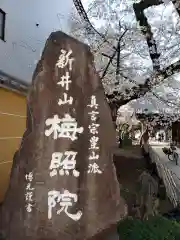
13 84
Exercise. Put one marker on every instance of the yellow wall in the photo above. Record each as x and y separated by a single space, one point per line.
10 126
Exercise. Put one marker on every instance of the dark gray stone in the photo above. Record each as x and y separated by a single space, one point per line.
98 194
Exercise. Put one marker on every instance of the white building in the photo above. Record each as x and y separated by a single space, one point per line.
24 27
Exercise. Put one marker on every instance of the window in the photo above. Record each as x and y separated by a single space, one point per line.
2 24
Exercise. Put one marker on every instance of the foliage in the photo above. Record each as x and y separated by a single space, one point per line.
156 228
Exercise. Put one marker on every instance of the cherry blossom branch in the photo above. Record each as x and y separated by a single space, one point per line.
111 57
117 99
176 5
146 30
89 27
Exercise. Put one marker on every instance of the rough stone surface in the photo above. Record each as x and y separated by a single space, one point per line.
98 194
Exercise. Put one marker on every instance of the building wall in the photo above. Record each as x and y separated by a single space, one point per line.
24 41
12 126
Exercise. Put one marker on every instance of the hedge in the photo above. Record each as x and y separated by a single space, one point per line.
155 228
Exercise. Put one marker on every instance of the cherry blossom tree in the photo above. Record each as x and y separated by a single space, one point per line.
146 35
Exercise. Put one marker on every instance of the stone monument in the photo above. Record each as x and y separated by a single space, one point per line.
63 183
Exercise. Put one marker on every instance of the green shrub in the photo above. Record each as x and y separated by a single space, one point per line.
155 228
